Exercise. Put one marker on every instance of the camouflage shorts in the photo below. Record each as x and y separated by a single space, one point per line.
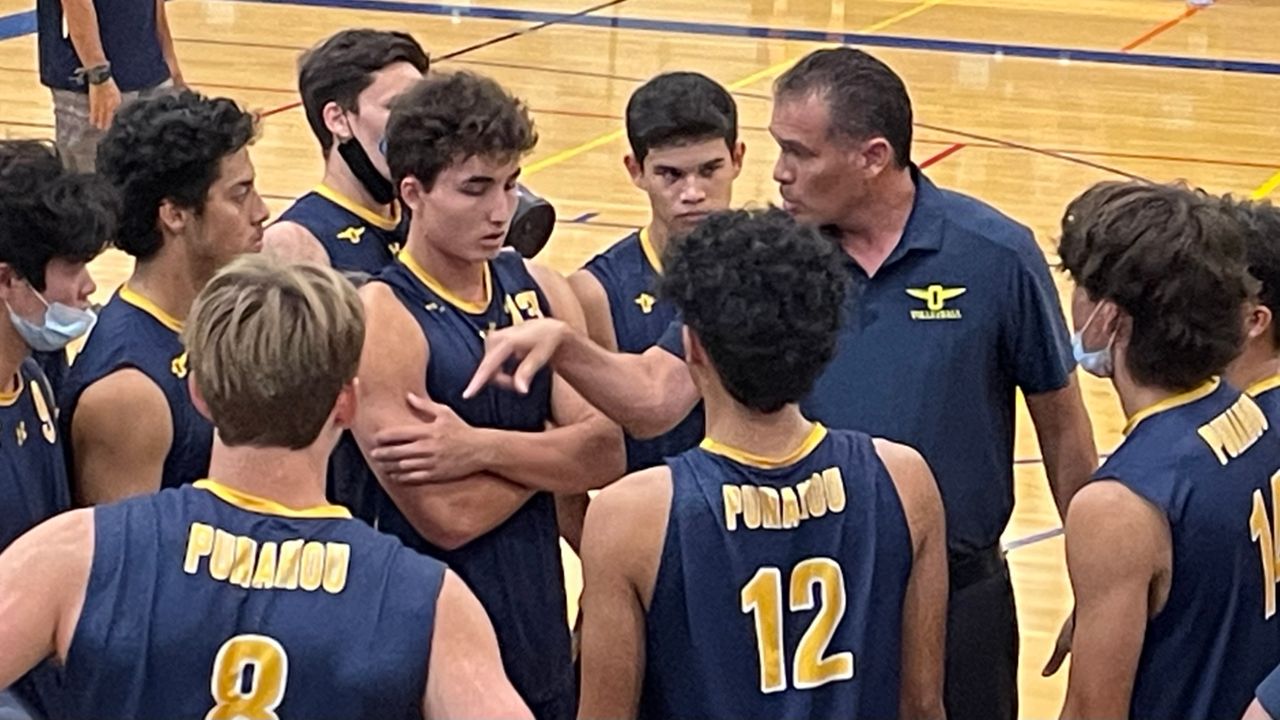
77 138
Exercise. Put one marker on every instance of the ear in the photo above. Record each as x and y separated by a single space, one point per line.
877 155
634 168
344 408
694 352
197 399
173 219
412 191
1258 321
335 120
8 279
738 152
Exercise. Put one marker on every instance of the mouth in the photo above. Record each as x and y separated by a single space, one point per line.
693 217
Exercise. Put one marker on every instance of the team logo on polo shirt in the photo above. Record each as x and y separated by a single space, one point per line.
935 299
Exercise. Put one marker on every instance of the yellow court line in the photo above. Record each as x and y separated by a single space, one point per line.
771 71
1267 187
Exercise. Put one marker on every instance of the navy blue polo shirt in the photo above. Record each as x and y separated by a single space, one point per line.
127 29
933 346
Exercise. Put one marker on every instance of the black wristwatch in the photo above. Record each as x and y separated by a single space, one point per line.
97 74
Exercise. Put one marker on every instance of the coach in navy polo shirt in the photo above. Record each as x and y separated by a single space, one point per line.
956 310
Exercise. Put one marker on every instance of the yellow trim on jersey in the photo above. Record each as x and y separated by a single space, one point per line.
144 304
816 436
263 506
445 294
360 211
1262 386
7 399
1170 403
650 254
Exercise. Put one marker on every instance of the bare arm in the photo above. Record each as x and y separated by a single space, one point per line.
1113 591
622 547
43 576
166 45
113 459
595 309
583 450
392 366
82 28
1256 712
924 610
291 242
571 516
647 394
1066 440
465 678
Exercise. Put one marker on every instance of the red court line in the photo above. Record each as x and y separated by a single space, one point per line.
1160 29
942 155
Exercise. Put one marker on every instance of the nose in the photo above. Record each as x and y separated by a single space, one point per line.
693 192
781 173
260 211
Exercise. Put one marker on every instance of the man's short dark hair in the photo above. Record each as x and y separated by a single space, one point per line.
1261 223
680 108
341 67
449 117
865 97
764 296
1174 261
47 212
168 148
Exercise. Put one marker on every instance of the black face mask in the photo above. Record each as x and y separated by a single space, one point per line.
374 183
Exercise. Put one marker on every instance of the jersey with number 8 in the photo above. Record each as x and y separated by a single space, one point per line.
781 585
204 602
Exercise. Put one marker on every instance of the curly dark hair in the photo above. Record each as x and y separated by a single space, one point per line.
168 148
1261 223
680 108
1175 261
866 98
341 67
449 117
764 296
47 212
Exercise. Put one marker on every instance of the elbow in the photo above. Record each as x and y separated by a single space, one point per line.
923 708
446 525
606 454
649 419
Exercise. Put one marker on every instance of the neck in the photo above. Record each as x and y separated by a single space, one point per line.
170 283
13 350
338 176
873 228
463 278
771 435
659 235
292 478
1254 365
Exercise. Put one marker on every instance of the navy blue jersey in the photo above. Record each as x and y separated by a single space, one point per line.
127 29
1269 694
207 602
629 272
356 239
1208 461
515 568
55 365
781 584
33 474
133 333
1267 394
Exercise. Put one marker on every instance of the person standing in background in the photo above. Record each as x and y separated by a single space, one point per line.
96 55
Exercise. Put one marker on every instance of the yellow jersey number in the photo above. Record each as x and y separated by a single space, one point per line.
260 662
1265 531
811 667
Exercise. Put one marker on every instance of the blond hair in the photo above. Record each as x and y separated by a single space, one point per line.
271 344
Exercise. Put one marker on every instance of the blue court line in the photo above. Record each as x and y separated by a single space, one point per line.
17 24
821 36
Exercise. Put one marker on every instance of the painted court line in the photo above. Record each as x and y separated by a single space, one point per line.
1267 187
771 71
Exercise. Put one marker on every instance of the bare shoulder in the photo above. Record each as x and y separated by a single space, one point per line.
639 492
907 467
127 392
393 339
292 242
588 289
626 528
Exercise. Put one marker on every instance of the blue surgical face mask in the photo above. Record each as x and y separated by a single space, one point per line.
62 324
1094 362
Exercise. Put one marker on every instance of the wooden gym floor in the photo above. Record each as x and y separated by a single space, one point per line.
1022 103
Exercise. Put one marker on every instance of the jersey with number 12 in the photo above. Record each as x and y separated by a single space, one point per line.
781 584
205 602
